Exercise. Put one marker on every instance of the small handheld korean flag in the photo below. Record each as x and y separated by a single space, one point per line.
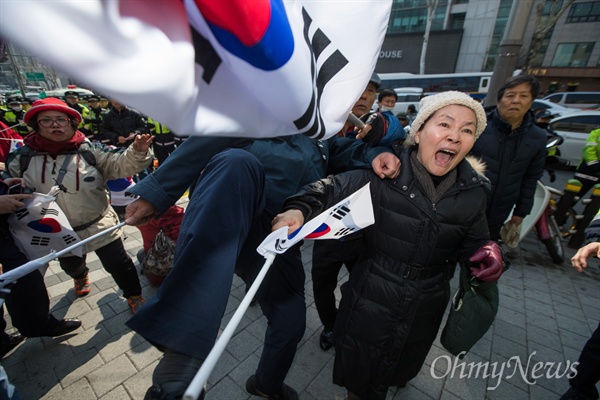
15 144
349 215
41 226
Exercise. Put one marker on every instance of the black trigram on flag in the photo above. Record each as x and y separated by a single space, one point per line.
68 239
50 211
22 213
343 232
40 241
328 69
340 212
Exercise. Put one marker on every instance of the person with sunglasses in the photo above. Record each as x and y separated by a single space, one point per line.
56 153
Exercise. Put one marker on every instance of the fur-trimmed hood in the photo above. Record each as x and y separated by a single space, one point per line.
477 164
479 167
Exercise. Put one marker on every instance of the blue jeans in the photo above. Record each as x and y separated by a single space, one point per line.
223 224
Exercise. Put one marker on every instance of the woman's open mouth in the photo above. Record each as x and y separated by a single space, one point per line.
444 157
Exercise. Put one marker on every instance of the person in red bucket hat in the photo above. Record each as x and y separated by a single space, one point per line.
57 154
50 104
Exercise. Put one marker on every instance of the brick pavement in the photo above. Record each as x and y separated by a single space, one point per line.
547 313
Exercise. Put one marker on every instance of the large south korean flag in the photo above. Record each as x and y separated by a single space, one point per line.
252 68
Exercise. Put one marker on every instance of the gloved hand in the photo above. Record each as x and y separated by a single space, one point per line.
511 233
490 260
378 127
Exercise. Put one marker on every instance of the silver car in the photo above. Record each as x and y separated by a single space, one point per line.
575 128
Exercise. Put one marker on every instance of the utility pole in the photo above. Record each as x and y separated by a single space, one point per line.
15 69
508 51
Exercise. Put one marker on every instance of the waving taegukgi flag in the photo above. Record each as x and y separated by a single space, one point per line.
41 226
349 215
253 68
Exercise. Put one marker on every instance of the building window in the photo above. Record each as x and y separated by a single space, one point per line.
457 21
572 54
551 7
584 12
499 27
411 16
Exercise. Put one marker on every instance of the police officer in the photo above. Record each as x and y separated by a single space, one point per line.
164 140
13 115
94 120
72 100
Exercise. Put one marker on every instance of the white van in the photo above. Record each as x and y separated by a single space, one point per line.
406 96
575 99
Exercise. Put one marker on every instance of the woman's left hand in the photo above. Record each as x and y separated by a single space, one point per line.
142 142
488 262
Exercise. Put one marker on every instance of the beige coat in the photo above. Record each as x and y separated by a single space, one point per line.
87 197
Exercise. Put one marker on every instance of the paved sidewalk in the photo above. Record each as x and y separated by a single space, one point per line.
547 312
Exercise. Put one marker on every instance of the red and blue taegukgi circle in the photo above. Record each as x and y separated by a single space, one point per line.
256 31
322 230
45 225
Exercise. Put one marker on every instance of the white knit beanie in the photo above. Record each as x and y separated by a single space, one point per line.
430 104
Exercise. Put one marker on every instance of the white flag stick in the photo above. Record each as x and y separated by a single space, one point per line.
32 265
195 387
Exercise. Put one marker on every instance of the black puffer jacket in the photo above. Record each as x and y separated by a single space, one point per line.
121 123
514 162
380 303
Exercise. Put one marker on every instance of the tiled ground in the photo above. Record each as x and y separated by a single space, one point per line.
547 313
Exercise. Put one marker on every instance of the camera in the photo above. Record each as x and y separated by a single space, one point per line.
18 189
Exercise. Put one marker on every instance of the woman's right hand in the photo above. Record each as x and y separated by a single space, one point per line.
139 212
292 218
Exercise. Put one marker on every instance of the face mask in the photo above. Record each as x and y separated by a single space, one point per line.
386 108
17 108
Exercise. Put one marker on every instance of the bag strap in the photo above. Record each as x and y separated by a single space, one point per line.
27 153
62 171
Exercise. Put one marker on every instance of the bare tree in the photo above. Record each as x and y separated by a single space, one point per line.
431 6
544 25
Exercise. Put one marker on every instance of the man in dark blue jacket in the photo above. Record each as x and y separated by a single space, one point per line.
242 186
514 150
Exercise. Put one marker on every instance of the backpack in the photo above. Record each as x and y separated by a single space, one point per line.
27 153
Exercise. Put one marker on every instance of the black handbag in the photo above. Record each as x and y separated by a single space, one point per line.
472 312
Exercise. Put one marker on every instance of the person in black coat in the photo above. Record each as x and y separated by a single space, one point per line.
583 383
121 124
426 220
514 151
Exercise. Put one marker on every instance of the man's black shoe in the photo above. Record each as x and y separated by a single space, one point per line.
14 339
285 393
63 327
325 340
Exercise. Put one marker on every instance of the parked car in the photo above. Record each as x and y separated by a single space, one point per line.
555 109
575 128
574 99
60 93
